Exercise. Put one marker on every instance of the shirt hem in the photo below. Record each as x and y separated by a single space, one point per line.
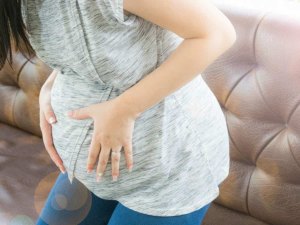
174 211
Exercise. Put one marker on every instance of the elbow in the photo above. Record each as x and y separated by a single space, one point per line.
224 38
230 35
221 40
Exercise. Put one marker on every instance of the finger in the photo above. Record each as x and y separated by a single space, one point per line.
46 129
128 155
49 114
115 162
94 150
102 162
81 113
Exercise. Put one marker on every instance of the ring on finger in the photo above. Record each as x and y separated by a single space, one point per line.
116 152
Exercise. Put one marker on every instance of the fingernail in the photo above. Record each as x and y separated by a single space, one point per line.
89 171
51 120
115 178
63 171
99 176
130 169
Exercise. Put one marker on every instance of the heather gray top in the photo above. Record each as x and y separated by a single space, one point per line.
180 145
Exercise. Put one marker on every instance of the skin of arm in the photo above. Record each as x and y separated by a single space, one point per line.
207 34
49 82
47 117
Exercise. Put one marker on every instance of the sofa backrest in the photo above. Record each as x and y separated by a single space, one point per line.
257 83
19 92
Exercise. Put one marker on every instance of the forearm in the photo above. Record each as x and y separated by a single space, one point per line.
189 59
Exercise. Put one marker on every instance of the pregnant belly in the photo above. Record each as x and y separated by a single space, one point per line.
69 92
204 113
65 134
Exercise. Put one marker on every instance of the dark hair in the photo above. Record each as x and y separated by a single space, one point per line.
13 32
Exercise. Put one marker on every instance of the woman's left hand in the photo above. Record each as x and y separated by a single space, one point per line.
113 128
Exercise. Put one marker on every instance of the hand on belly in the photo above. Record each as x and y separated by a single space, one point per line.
113 129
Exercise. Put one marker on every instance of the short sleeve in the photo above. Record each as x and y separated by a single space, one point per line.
114 10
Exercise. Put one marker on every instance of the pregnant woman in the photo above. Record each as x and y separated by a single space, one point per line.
142 138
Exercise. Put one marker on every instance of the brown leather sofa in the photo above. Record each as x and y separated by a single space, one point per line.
257 83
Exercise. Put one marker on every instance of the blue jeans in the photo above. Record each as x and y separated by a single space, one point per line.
74 204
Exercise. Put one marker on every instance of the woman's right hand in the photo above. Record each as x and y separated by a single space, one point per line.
47 117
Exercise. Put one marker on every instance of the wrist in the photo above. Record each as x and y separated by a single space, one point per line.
49 81
128 107
47 86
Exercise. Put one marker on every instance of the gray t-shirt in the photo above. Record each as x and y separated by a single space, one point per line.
180 145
